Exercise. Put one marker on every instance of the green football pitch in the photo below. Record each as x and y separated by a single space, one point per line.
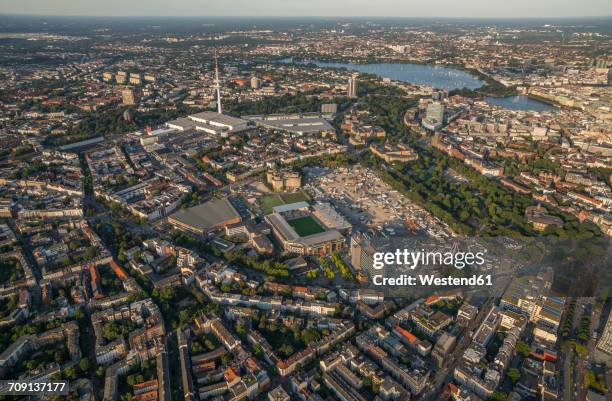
305 226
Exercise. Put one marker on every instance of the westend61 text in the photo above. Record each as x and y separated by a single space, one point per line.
431 280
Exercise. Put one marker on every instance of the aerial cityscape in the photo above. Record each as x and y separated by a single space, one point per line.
212 208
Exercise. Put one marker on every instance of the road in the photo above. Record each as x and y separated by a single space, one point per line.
442 376
575 365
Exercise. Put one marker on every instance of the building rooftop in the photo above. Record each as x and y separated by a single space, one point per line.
330 235
290 206
210 116
207 215
298 125
183 123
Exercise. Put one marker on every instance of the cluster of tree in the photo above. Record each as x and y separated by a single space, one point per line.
193 305
287 339
9 336
312 274
277 104
566 328
342 267
42 357
8 304
491 87
189 241
494 346
146 371
88 253
585 328
111 121
449 307
498 396
533 165
271 267
33 167
370 85
202 344
367 384
193 198
329 161
595 381
117 237
192 301
523 349
327 269
389 112
111 285
117 329
10 270
243 288
602 174
80 370
479 205
514 375
571 346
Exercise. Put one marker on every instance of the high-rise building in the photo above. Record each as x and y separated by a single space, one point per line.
434 118
439 95
107 76
255 83
121 77
435 111
351 90
362 254
128 96
135 78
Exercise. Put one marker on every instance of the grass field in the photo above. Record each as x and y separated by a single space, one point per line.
270 201
299 196
305 226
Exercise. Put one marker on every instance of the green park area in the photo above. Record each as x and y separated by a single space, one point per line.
268 202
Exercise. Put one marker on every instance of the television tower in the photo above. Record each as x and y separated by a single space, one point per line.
218 84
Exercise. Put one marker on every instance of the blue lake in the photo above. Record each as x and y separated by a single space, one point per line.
518 103
422 74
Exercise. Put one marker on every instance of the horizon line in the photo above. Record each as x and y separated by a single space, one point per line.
2 14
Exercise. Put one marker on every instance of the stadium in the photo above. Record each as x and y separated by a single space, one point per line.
298 229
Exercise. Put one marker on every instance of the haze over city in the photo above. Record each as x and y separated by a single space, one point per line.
281 8
305 200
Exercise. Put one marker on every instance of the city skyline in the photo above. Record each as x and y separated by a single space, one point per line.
316 8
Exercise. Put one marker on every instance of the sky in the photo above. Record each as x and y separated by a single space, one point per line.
348 8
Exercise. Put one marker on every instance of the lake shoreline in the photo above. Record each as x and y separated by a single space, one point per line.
469 76
433 75
519 103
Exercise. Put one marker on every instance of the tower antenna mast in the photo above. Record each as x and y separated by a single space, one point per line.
218 84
